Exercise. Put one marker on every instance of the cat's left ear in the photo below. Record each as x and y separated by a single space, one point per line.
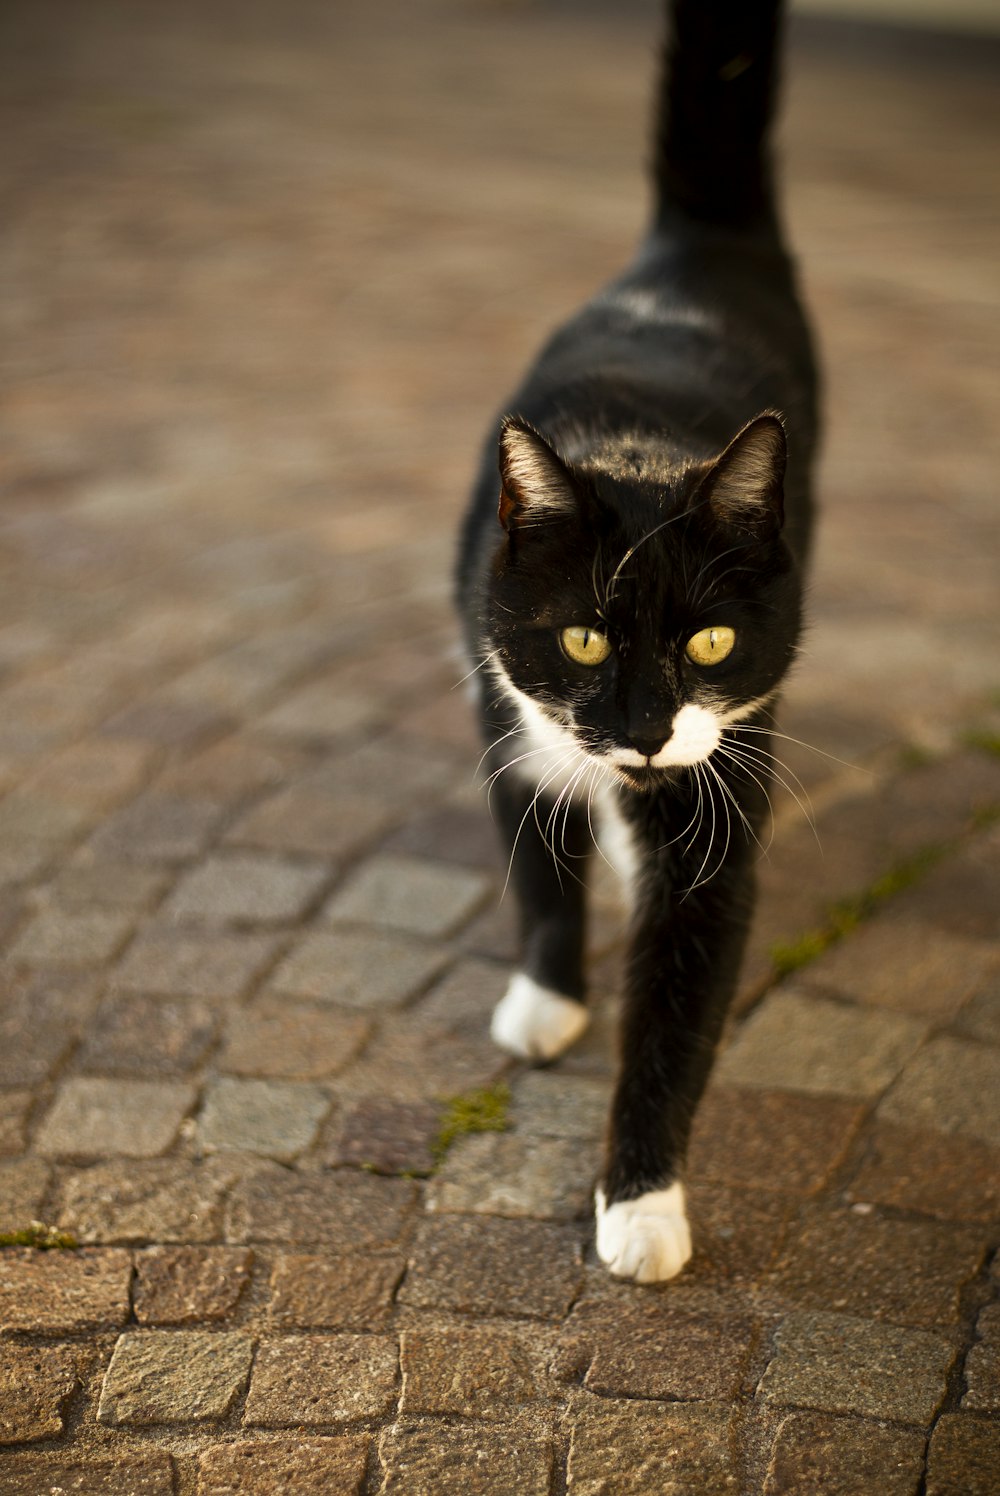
744 486
534 483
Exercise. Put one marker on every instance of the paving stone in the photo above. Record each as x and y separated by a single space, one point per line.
87 881
320 710
909 1272
314 1467
798 1043
164 1200
426 1457
388 1137
168 724
174 1376
304 819
406 893
309 1291
912 968
183 1285
462 1001
342 1211
736 1234
55 1292
39 1020
36 1382
449 833
478 1265
816 1456
233 887
617 1345
645 1449
982 1364
838 1364
964 1457
548 1104
98 774
510 1175
158 828
23 1185
15 1108
951 1176
173 962
138 1035
358 970
230 771
952 1087
38 818
302 1379
477 1371
414 1061
276 1118
958 895
127 1472
134 1117
980 1018
72 937
770 1140
306 1043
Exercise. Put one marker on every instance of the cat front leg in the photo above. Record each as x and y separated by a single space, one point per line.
682 972
542 1012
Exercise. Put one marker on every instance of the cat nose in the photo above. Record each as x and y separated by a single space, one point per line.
646 744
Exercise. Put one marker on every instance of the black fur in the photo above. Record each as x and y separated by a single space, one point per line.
625 441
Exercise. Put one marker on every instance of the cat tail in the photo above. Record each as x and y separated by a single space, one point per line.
716 100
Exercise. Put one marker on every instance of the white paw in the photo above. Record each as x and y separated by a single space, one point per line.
535 1023
647 1239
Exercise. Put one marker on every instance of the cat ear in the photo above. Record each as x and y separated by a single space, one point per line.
744 485
534 483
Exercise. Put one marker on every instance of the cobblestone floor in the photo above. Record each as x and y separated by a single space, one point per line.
267 270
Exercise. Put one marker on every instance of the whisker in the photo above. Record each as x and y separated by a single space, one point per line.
482 663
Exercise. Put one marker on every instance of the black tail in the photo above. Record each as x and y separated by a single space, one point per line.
717 97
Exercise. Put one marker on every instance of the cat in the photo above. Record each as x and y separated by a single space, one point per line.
632 602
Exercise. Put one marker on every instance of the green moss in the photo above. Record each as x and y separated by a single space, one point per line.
475 1111
912 756
45 1238
983 740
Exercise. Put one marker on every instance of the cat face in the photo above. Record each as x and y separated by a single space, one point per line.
632 621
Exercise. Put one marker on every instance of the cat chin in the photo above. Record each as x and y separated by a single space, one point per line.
647 1239
535 1023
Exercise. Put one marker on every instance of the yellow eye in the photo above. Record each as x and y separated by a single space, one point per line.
709 646
585 646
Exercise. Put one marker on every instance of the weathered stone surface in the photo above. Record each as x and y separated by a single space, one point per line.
22 1189
645 1449
159 828
243 887
479 1371
510 1175
129 1472
478 1265
303 1379
951 1176
837 1364
172 962
307 1467
137 1118
795 1042
183 1285
52 1292
146 1035
358 969
982 1364
770 1140
40 1017
72 937
964 1457
910 1272
422 1457
736 1234
343 1211
303 819
304 1043
389 1137
817 1456
407 893
549 1104
16 1108
951 1086
87 881
276 1118
913 968
174 1376
36 1382
309 1291
146 1200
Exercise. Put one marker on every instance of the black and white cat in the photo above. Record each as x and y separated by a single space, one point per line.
635 603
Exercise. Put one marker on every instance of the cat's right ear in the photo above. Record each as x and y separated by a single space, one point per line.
534 485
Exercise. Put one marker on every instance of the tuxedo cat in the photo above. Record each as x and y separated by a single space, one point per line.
632 603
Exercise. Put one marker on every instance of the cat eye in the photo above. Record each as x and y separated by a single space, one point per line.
709 646
584 646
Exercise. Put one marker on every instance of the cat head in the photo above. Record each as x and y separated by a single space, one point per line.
634 617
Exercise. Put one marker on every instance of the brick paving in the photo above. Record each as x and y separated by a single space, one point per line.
266 275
